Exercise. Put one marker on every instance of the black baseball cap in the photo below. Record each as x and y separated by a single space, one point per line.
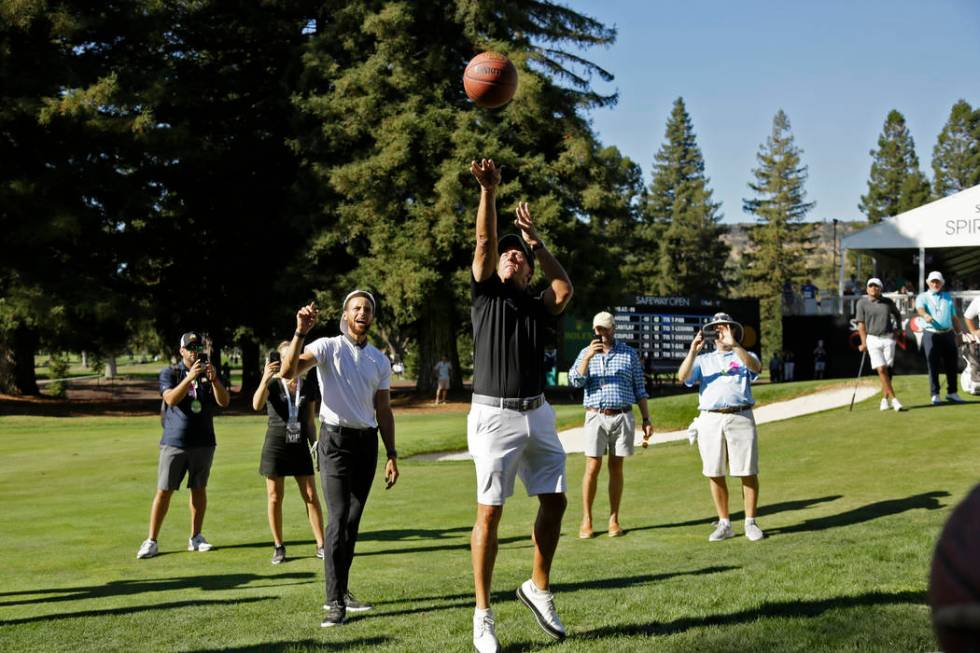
191 338
513 241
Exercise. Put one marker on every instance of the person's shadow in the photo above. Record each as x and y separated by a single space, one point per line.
768 509
924 501
131 587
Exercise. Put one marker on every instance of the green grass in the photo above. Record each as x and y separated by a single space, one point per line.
852 504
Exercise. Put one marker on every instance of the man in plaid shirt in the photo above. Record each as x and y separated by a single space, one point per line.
612 376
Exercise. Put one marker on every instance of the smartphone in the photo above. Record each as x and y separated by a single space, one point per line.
275 356
203 357
596 337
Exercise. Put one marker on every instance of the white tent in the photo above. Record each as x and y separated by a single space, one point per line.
949 228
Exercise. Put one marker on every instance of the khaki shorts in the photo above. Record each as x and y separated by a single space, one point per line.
881 351
442 384
612 433
728 439
175 463
505 443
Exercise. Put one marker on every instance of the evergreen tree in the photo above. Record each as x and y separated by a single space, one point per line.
687 253
956 156
395 135
779 237
896 184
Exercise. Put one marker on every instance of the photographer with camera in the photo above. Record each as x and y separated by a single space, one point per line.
612 375
725 427
190 393
290 433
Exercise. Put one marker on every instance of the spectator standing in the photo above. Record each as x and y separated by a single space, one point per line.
936 308
191 392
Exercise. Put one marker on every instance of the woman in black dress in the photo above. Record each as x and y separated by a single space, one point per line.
291 430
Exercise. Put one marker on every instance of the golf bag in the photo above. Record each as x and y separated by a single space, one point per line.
970 377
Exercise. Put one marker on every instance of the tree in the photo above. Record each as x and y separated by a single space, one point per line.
895 184
395 135
778 239
686 252
956 156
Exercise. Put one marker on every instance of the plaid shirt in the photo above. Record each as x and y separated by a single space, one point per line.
614 380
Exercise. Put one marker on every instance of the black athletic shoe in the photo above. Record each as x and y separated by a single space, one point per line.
279 554
353 605
336 615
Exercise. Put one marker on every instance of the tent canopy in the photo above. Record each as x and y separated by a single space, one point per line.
948 227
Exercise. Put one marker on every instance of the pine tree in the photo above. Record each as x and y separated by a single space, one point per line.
779 237
956 156
896 184
686 252
394 135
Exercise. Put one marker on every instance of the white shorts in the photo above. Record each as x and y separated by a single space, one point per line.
442 384
728 439
881 351
819 366
612 433
505 443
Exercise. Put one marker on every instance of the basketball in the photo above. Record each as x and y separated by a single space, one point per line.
490 80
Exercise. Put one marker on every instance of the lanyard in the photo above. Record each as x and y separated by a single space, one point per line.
293 406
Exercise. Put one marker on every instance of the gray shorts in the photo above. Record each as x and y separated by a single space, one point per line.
612 433
176 462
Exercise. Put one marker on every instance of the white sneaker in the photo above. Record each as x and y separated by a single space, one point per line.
752 531
485 633
722 532
952 397
542 604
198 543
936 400
896 404
148 549
883 405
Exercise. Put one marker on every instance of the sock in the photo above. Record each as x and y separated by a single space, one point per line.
479 612
749 520
724 522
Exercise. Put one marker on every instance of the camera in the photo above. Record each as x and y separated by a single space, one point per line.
202 357
710 334
275 356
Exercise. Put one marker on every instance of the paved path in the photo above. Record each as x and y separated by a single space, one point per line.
774 412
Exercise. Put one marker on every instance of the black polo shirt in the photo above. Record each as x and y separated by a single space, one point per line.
508 339
182 427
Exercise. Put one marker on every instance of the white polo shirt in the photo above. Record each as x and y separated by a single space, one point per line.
349 378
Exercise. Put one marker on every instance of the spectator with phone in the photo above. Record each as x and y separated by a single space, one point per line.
725 427
355 384
291 406
191 392
612 376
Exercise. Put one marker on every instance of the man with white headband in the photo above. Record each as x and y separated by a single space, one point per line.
355 382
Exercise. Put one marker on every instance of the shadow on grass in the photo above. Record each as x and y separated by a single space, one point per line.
130 587
445 547
312 644
112 612
452 601
945 404
924 501
777 609
769 509
413 534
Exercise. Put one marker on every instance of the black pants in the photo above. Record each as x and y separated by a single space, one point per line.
941 354
348 462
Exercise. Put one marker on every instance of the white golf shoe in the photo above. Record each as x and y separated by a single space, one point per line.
954 398
198 543
896 404
148 549
485 632
936 400
542 604
752 531
722 532
883 405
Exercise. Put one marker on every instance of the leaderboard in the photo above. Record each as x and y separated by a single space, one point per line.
661 328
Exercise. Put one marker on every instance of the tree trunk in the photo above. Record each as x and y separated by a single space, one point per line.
84 359
110 366
19 362
437 337
251 374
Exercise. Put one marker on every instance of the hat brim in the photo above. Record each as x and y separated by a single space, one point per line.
513 241
741 330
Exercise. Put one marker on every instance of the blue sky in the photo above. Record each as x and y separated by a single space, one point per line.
835 67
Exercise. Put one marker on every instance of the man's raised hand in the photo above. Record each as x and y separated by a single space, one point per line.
486 173
526 225
306 318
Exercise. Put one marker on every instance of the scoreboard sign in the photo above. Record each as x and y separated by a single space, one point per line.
661 328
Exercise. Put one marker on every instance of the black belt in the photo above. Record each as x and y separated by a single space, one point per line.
610 411
346 430
730 410
521 404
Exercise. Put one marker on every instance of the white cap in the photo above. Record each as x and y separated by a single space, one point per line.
875 281
343 307
936 275
604 320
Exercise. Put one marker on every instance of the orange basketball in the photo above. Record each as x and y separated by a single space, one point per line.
490 80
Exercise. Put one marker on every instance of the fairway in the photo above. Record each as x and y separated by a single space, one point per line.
851 504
